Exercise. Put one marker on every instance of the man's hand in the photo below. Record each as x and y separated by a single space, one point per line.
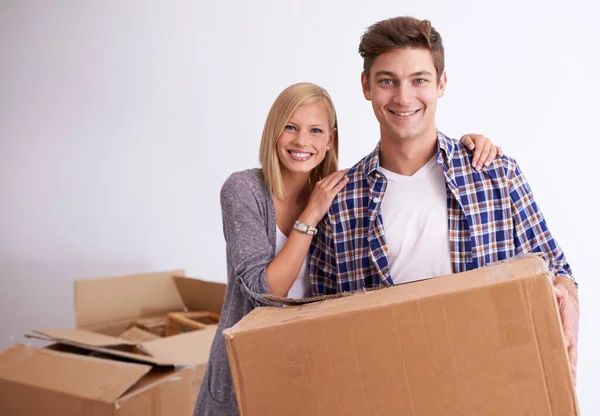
568 306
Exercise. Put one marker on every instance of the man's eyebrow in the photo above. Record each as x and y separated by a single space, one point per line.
385 73
393 74
421 73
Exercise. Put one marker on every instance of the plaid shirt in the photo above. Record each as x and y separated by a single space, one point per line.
492 216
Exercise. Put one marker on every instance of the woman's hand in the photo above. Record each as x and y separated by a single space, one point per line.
484 151
321 197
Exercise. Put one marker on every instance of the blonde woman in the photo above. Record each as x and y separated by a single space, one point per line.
270 215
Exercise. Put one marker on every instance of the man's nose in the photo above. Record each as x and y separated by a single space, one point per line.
403 95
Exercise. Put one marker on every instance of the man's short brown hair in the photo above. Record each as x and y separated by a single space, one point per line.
398 33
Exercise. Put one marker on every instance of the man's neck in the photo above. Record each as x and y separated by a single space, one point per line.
406 157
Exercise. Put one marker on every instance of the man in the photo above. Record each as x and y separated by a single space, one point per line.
415 207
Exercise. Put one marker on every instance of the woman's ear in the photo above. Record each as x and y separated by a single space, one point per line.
332 137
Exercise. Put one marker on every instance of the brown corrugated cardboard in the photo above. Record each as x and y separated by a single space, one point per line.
132 296
107 307
36 381
138 335
485 342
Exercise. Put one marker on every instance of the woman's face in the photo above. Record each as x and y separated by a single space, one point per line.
302 145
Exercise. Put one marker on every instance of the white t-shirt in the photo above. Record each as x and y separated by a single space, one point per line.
301 286
415 221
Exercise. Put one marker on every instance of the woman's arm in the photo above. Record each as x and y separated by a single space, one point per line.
282 271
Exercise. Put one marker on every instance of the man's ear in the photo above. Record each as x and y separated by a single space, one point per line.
365 86
442 85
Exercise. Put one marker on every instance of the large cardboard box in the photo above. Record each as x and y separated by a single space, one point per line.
106 307
485 342
38 381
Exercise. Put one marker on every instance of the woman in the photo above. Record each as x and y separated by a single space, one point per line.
269 214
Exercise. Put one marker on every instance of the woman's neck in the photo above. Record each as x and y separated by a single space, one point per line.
297 188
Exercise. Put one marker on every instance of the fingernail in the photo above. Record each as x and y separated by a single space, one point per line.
478 167
487 164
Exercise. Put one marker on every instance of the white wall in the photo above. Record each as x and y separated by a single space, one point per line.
119 121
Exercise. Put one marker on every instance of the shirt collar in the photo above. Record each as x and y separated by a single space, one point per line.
445 147
372 161
445 150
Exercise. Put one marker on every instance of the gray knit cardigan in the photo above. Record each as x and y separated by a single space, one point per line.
250 233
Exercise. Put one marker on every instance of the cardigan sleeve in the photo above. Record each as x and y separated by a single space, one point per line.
245 222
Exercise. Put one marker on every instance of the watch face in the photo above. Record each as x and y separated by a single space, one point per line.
305 228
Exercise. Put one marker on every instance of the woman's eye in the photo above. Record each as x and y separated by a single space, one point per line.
290 128
315 130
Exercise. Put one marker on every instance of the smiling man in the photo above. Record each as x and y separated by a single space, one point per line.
415 208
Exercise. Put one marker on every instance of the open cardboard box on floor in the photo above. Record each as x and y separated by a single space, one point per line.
484 342
42 381
104 309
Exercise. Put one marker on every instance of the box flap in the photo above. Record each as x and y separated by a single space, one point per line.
102 300
83 337
200 295
88 377
166 392
284 300
188 348
100 344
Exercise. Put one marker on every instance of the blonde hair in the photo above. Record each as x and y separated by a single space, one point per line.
282 109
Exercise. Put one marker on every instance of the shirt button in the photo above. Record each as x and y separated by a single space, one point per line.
377 175
376 200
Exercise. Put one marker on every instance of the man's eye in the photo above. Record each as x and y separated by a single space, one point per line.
386 82
290 128
420 81
315 130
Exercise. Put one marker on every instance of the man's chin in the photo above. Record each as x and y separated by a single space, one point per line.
404 134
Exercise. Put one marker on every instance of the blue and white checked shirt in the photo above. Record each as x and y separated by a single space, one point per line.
492 216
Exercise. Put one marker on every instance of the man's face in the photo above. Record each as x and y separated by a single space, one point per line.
404 91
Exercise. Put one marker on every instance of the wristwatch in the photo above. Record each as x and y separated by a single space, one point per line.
305 228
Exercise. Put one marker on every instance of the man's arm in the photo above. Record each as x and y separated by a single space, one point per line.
532 235
322 264
530 228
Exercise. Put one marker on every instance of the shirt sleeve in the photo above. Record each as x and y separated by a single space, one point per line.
322 264
530 228
245 229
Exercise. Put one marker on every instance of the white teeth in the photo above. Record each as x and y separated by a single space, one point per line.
410 113
296 154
